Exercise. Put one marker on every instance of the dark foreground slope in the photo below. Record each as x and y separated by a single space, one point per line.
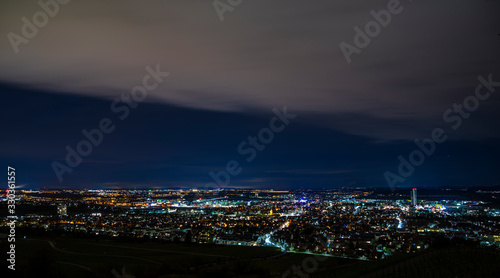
71 257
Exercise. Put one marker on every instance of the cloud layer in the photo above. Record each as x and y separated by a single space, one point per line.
268 54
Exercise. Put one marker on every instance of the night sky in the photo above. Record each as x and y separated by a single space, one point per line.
353 119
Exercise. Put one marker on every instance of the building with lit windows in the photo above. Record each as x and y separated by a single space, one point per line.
414 197
62 210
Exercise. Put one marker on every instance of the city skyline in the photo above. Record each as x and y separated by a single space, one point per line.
241 139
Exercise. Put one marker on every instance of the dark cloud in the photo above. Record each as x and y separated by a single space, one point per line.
264 54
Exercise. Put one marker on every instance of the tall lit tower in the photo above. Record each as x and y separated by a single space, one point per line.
414 197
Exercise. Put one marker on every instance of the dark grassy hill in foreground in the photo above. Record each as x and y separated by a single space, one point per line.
72 257
452 262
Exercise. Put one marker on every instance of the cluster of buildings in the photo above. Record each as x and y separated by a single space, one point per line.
346 223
